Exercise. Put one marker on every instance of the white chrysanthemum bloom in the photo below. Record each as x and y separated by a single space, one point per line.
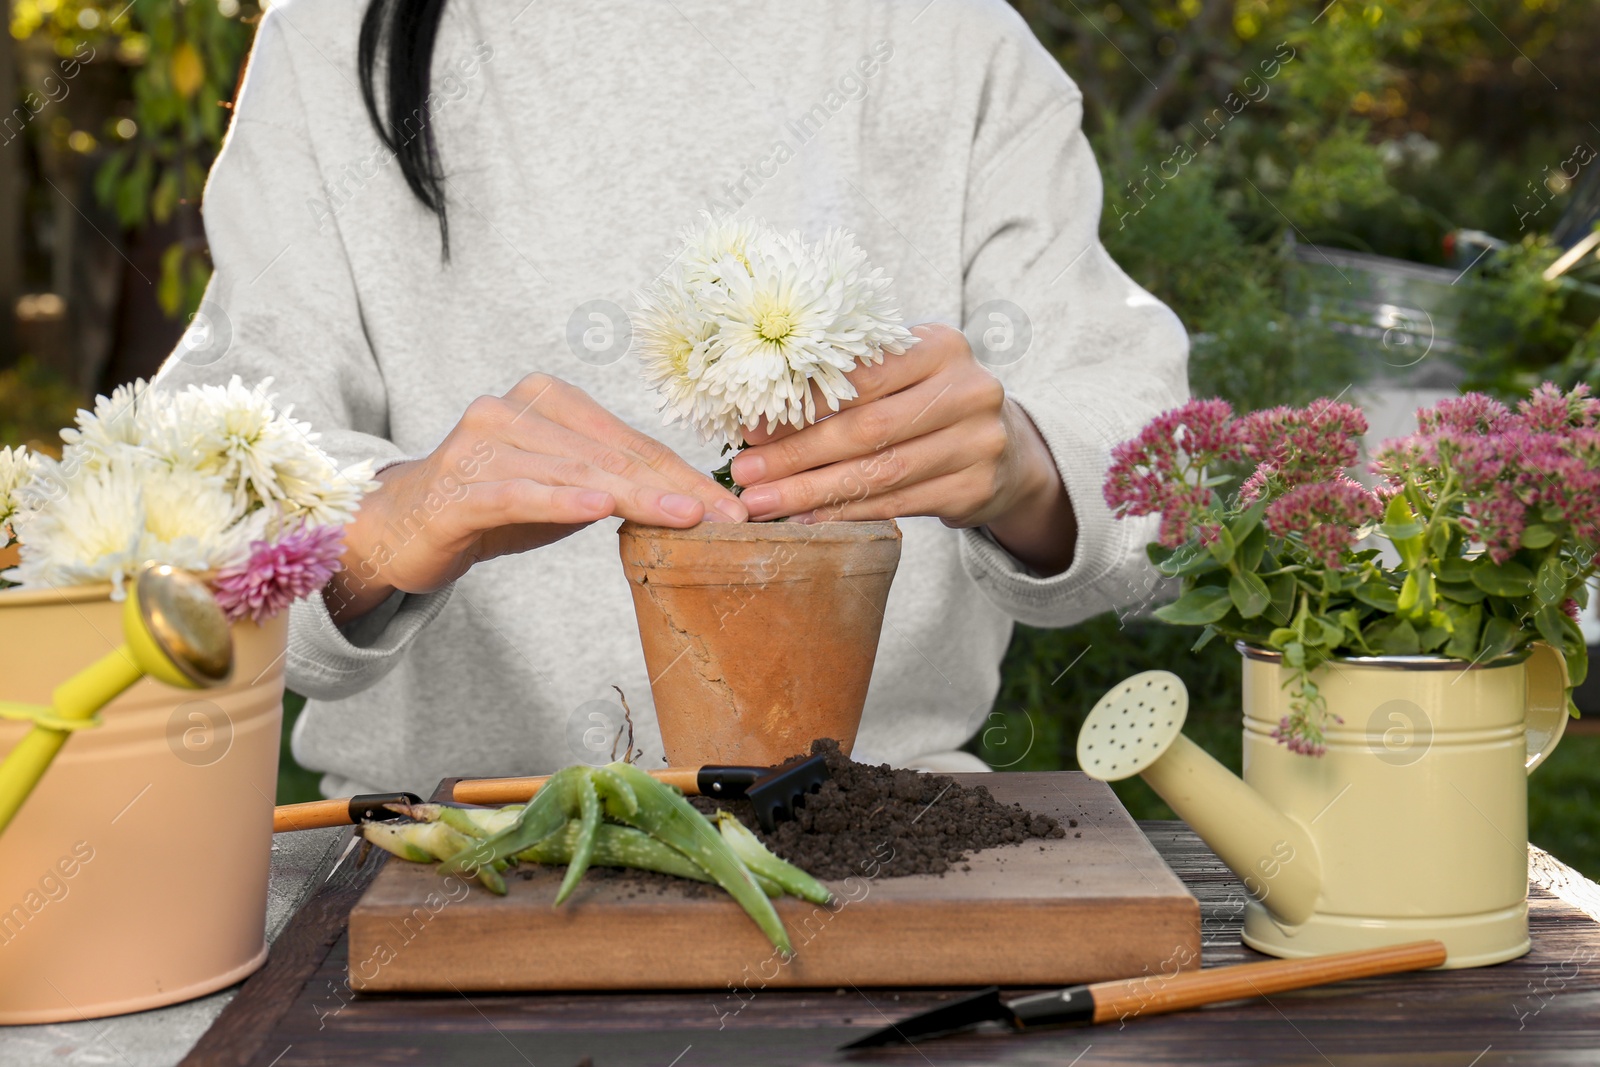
318 492
124 420
103 523
674 334
718 239
90 532
754 325
17 465
234 431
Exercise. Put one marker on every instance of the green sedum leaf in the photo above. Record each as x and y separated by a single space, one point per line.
1509 579
1200 606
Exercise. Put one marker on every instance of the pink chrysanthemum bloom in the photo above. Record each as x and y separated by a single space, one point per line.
276 574
1326 515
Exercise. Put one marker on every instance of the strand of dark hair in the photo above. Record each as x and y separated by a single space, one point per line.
405 31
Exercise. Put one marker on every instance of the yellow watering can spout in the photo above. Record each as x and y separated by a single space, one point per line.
173 631
1137 728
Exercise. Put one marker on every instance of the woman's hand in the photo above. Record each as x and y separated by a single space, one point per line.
517 472
931 433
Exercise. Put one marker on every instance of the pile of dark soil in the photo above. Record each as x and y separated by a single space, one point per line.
880 822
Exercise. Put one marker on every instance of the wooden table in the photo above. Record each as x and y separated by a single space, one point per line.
1541 1009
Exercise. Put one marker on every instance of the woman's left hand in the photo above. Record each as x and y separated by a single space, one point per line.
931 432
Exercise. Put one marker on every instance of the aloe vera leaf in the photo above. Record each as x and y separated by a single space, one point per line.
542 816
448 844
762 863
395 838
666 815
583 847
616 794
616 846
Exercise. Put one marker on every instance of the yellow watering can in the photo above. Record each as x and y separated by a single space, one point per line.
173 630
1413 825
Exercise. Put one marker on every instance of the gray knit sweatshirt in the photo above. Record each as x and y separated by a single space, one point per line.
579 139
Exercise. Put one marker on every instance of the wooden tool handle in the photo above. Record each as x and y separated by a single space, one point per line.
491 791
1155 994
311 815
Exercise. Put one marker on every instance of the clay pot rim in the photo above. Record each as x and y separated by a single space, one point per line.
750 532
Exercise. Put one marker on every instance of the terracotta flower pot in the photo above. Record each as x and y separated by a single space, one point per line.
136 874
759 637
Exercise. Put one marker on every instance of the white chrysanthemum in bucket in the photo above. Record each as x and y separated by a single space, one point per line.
211 479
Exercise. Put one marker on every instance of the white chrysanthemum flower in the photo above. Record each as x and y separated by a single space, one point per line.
17 465
122 421
234 431
320 493
103 523
187 478
753 325
717 240
674 335
89 532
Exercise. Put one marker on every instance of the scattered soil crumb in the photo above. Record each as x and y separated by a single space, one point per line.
878 821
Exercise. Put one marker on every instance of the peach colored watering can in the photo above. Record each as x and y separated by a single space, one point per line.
1413 825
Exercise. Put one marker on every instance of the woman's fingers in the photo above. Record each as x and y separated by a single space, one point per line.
616 446
883 475
653 504
861 430
931 497
935 346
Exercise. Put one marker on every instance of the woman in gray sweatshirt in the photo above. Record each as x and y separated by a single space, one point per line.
448 298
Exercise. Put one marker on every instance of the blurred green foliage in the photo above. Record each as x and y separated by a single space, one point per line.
184 59
34 405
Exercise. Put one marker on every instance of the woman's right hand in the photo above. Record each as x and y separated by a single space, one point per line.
517 472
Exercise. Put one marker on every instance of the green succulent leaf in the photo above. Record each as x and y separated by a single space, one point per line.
1466 621
1200 606
1249 594
1537 535
1378 594
1461 592
1508 579
1550 583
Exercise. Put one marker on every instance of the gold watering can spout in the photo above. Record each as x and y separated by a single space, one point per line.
173 630
1137 728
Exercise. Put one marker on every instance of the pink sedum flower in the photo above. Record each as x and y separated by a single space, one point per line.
1156 472
276 574
1326 515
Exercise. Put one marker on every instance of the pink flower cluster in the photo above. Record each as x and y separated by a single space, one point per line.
1151 474
1302 734
1325 515
1543 457
276 574
1301 455
1296 446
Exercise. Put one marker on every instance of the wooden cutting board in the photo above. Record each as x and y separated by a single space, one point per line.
1073 909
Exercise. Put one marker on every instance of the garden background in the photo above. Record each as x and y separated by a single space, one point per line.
1389 201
